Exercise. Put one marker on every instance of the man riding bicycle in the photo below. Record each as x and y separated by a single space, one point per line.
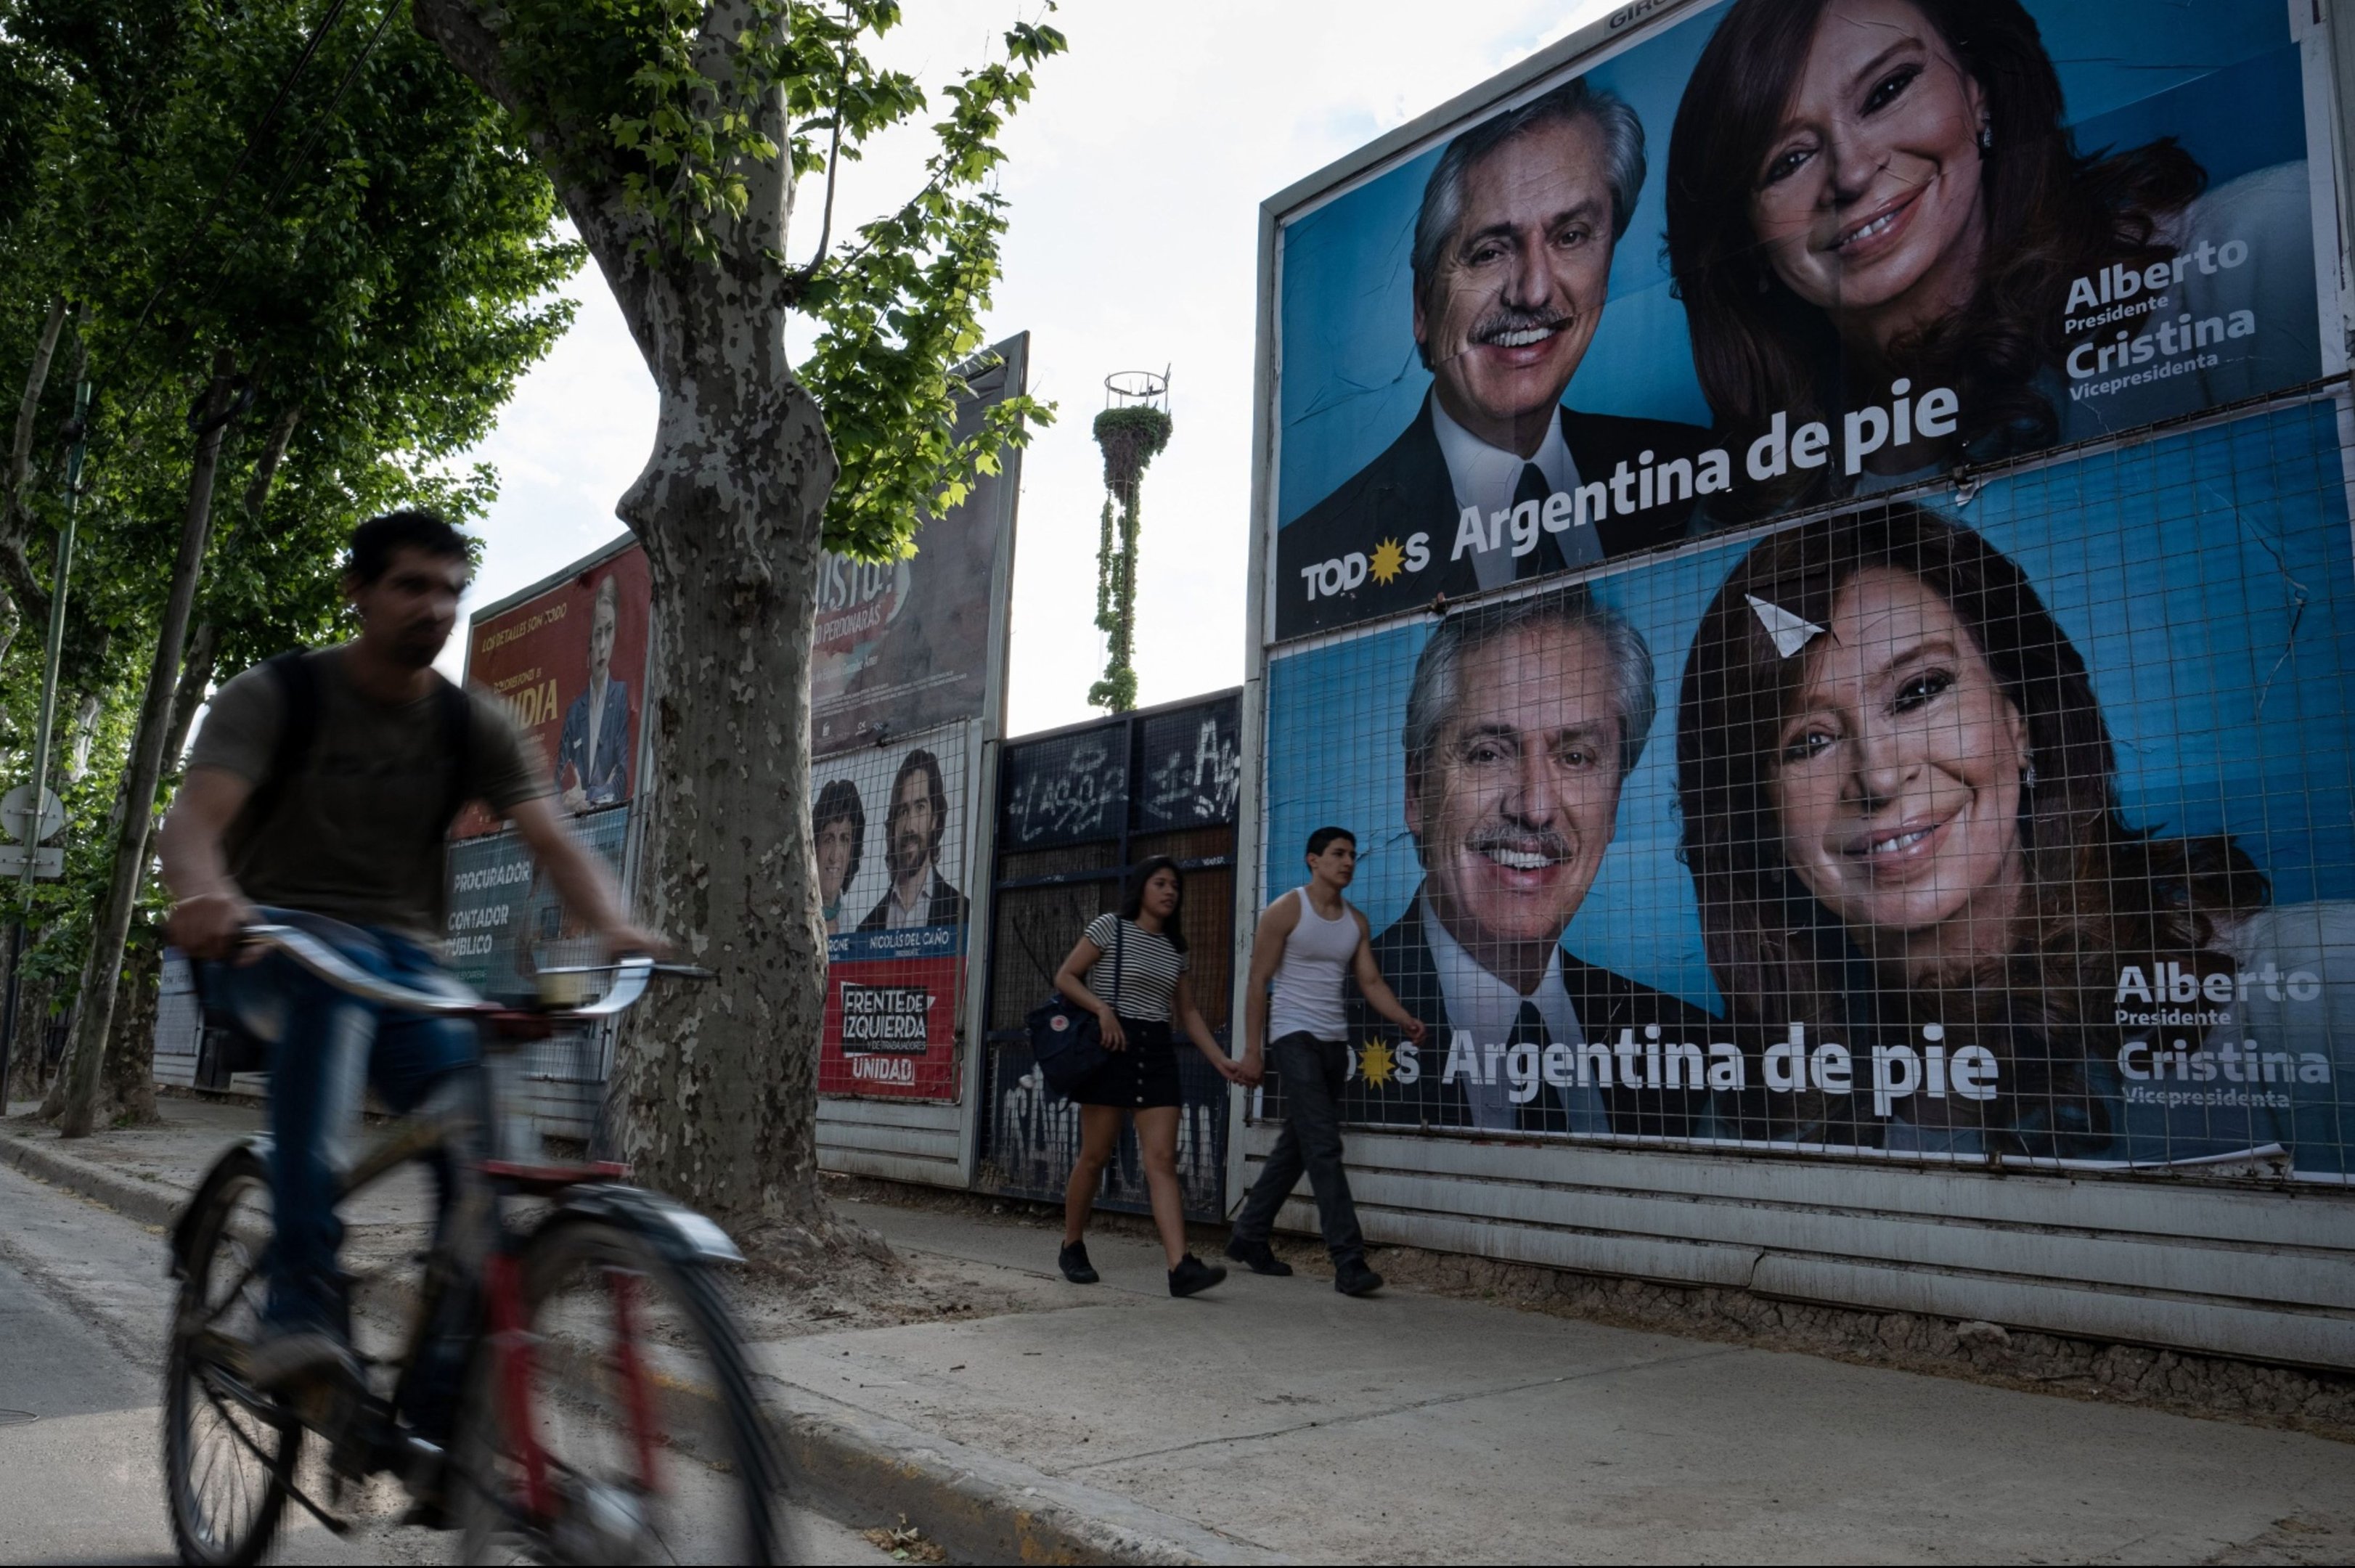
319 795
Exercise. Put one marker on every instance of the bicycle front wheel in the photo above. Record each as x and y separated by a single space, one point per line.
228 1454
610 1416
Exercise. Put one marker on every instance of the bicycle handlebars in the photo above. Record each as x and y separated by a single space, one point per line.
630 978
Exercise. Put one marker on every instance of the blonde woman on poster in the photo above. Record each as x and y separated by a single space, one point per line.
1917 887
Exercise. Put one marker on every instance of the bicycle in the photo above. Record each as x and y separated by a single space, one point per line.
606 1394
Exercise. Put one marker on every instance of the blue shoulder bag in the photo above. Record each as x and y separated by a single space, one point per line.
1067 1043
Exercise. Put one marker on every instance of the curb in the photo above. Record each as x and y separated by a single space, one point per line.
978 1507
151 1203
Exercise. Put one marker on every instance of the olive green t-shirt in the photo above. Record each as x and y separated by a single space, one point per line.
355 835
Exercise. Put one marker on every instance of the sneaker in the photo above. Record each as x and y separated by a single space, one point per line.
290 1359
1073 1261
1257 1257
429 1468
1354 1278
1193 1274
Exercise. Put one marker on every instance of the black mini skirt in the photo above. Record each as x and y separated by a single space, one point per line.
1140 1078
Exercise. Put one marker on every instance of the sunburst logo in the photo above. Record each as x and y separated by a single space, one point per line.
1377 1064
1387 562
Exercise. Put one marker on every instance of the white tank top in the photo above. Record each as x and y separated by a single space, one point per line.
1306 996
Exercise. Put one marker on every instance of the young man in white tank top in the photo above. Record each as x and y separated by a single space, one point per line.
1310 941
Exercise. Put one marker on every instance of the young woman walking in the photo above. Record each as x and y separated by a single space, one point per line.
1140 1081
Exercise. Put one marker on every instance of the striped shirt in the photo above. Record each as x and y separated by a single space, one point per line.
1149 967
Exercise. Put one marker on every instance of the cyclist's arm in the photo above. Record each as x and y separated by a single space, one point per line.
208 910
581 879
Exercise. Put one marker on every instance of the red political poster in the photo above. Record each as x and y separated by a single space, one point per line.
890 1027
568 659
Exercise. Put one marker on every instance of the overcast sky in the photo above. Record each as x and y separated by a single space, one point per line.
1135 175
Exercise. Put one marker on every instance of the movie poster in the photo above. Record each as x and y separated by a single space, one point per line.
904 645
1829 534
1784 254
890 826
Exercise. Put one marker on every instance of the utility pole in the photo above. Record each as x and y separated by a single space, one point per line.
44 726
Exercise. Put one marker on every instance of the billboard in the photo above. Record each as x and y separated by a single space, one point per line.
1780 254
568 659
904 645
504 917
904 676
1812 546
890 828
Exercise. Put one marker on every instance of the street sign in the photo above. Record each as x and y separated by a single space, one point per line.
16 807
48 862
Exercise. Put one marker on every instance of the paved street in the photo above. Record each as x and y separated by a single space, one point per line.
83 1299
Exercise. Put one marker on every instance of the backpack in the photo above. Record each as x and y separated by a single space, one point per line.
298 732
225 1049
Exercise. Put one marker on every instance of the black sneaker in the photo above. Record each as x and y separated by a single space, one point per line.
1193 1274
1354 1278
1073 1262
1257 1257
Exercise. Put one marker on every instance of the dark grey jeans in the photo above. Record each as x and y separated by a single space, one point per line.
1311 1072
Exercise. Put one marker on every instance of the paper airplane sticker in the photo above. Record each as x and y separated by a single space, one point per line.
1790 632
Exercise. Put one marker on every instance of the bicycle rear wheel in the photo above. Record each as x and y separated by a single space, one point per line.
226 1464
612 1419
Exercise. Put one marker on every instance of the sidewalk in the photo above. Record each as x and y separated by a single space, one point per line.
1273 1418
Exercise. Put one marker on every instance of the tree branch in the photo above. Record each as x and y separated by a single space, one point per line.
796 285
468 42
20 453
265 467
25 586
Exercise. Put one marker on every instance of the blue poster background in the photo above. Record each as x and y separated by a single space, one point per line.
2205 577
2221 76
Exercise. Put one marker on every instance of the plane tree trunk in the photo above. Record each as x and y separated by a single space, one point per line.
714 1090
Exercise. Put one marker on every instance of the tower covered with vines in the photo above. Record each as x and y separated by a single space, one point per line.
1134 427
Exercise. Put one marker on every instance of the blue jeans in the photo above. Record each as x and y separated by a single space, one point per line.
323 1046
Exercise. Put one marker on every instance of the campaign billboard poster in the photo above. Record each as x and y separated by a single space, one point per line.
904 645
889 823
568 659
1770 254
1811 543
505 919
2012 822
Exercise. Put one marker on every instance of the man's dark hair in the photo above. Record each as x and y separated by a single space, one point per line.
839 801
376 542
1322 840
921 762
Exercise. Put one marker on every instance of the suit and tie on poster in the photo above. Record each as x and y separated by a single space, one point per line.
890 835
900 686
1721 275
568 656
1813 553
